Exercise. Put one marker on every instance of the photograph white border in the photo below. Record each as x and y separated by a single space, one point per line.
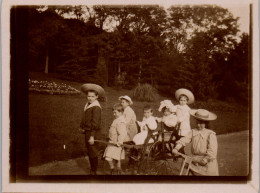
250 186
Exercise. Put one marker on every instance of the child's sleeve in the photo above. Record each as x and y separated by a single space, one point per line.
96 120
122 133
152 125
158 119
185 140
212 147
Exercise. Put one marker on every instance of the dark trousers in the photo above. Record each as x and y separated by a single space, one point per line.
92 152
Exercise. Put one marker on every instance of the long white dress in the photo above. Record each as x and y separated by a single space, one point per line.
183 115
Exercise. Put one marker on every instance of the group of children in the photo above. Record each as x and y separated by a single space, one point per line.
125 128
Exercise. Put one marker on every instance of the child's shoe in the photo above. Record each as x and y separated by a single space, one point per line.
134 172
112 171
92 172
119 171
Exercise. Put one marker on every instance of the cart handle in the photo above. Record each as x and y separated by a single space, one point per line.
183 155
187 160
123 145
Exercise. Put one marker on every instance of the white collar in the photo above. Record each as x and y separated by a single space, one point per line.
149 118
203 133
170 115
95 103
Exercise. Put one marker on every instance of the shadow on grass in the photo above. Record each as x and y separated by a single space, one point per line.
84 164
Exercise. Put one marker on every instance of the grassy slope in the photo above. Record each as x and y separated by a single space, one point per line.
54 120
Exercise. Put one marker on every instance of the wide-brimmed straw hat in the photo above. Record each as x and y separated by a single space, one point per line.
126 98
186 92
89 86
202 114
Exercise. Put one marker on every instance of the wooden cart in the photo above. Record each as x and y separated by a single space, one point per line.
157 158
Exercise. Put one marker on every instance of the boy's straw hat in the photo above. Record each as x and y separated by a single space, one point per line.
186 92
202 114
126 98
89 86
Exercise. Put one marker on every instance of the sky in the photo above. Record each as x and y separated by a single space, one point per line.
241 11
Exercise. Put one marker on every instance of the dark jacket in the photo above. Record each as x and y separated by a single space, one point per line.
91 119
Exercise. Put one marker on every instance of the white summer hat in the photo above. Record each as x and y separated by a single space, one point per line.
168 104
126 98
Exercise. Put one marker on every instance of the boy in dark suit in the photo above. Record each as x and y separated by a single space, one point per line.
90 122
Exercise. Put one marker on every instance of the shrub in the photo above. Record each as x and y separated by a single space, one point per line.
145 92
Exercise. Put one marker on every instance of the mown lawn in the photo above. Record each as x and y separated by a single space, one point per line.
54 121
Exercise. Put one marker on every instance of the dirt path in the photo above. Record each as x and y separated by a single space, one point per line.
233 159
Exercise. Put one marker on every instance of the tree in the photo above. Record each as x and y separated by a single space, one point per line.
205 36
43 32
79 12
134 43
184 46
143 37
237 72
185 21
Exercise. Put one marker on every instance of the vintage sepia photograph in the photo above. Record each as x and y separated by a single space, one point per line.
120 93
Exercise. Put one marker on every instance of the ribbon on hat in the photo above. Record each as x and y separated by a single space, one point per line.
168 104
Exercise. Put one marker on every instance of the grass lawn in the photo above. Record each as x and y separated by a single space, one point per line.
54 120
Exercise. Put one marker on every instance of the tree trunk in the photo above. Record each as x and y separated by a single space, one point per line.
118 74
152 79
119 67
140 72
47 62
102 72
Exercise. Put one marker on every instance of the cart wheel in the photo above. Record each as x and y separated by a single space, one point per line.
160 160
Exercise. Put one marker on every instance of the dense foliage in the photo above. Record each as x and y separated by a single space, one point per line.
195 47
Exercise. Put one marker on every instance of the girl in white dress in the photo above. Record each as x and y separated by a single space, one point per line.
184 97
